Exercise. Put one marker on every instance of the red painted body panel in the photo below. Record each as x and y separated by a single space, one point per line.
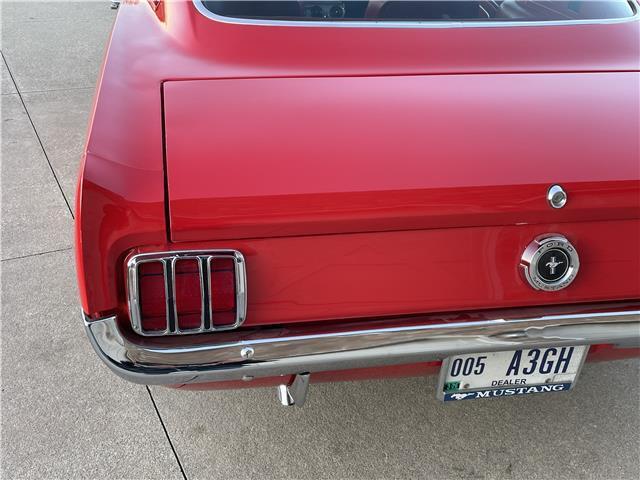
324 277
453 157
276 157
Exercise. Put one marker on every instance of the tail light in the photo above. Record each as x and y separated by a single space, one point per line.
175 293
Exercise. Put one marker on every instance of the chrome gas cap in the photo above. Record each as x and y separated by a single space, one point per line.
550 263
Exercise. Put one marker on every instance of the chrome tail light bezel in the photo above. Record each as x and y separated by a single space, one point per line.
168 261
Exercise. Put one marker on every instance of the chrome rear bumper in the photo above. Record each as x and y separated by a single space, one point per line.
270 352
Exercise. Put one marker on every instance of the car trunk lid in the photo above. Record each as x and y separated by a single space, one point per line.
297 156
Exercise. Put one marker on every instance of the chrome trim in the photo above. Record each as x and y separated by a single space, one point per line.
556 196
172 309
169 260
394 24
167 270
155 362
205 298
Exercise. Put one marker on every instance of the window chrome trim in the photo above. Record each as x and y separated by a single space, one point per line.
275 351
168 260
395 24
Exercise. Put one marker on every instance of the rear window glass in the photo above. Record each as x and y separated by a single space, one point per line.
423 11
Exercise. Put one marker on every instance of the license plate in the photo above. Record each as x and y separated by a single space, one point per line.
510 373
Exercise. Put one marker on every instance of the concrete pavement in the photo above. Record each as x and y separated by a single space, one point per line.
65 415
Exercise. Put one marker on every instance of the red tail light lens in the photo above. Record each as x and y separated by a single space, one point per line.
173 293
188 294
153 300
223 291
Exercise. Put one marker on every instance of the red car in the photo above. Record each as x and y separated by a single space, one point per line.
279 192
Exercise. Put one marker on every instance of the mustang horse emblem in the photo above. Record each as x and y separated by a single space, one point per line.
552 265
460 396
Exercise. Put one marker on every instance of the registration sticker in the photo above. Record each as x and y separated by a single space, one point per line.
510 373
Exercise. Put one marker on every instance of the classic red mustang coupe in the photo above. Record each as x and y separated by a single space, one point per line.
283 192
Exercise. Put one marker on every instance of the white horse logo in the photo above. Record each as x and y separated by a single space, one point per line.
552 265
460 396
